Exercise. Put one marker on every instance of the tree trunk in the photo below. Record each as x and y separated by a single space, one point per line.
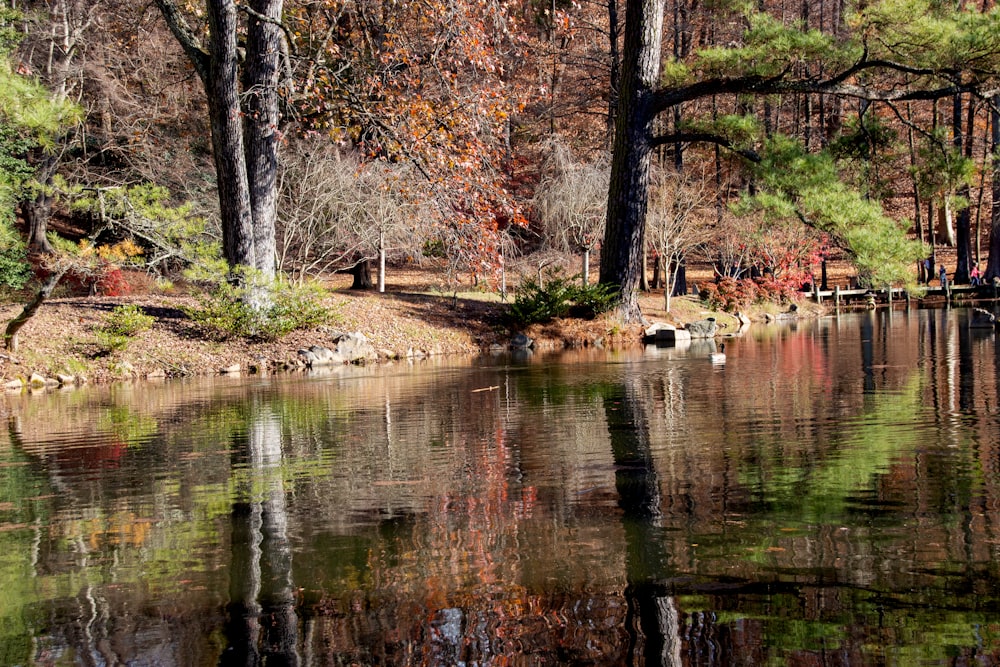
628 194
227 136
680 277
37 212
963 224
993 260
614 82
260 83
218 68
10 334
381 268
362 272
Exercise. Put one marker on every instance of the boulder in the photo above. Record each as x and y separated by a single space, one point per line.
316 356
702 328
354 347
661 332
521 342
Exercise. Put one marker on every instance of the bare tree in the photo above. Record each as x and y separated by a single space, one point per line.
316 186
382 216
338 213
572 202
679 207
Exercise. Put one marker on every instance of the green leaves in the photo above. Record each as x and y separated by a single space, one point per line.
794 183
770 48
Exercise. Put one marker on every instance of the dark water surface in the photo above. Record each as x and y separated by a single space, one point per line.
830 496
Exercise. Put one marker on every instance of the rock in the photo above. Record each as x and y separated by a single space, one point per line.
521 342
14 385
653 329
65 379
123 369
156 374
307 356
661 332
36 380
354 347
702 328
234 369
260 365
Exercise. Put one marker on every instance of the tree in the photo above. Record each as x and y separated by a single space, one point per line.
244 136
624 237
899 51
31 117
429 84
571 200
67 23
677 206
993 263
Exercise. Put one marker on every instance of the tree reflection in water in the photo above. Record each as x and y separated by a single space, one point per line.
652 620
262 625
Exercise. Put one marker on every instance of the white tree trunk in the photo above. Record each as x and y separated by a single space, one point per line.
381 269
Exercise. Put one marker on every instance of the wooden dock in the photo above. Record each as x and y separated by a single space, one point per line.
873 297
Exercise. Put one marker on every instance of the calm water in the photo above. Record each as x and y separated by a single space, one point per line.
831 496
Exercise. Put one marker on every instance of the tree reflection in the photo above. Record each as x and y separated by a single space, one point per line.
262 625
652 621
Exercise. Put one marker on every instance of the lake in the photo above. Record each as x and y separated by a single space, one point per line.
828 496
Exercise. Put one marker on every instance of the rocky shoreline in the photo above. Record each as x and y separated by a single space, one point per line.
58 347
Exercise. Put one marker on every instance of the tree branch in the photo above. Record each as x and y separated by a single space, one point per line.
706 137
186 36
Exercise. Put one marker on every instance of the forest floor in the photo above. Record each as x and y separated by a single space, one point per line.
416 315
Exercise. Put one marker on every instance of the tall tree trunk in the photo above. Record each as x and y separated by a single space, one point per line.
993 260
218 68
628 194
963 225
362 272
614 83
260 83
29 310
227 136
923 275
38 211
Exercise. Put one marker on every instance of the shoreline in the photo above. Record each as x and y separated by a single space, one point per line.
58 345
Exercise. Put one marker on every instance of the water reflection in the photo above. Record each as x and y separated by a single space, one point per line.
829 496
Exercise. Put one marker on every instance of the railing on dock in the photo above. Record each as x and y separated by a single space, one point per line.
871 297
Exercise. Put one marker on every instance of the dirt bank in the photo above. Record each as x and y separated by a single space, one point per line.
417 317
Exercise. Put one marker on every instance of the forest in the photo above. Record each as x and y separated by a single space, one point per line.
229 142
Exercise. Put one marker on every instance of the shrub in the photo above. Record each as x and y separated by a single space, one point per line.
259 311
595 299
729 294
120 325
558 296
536 302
